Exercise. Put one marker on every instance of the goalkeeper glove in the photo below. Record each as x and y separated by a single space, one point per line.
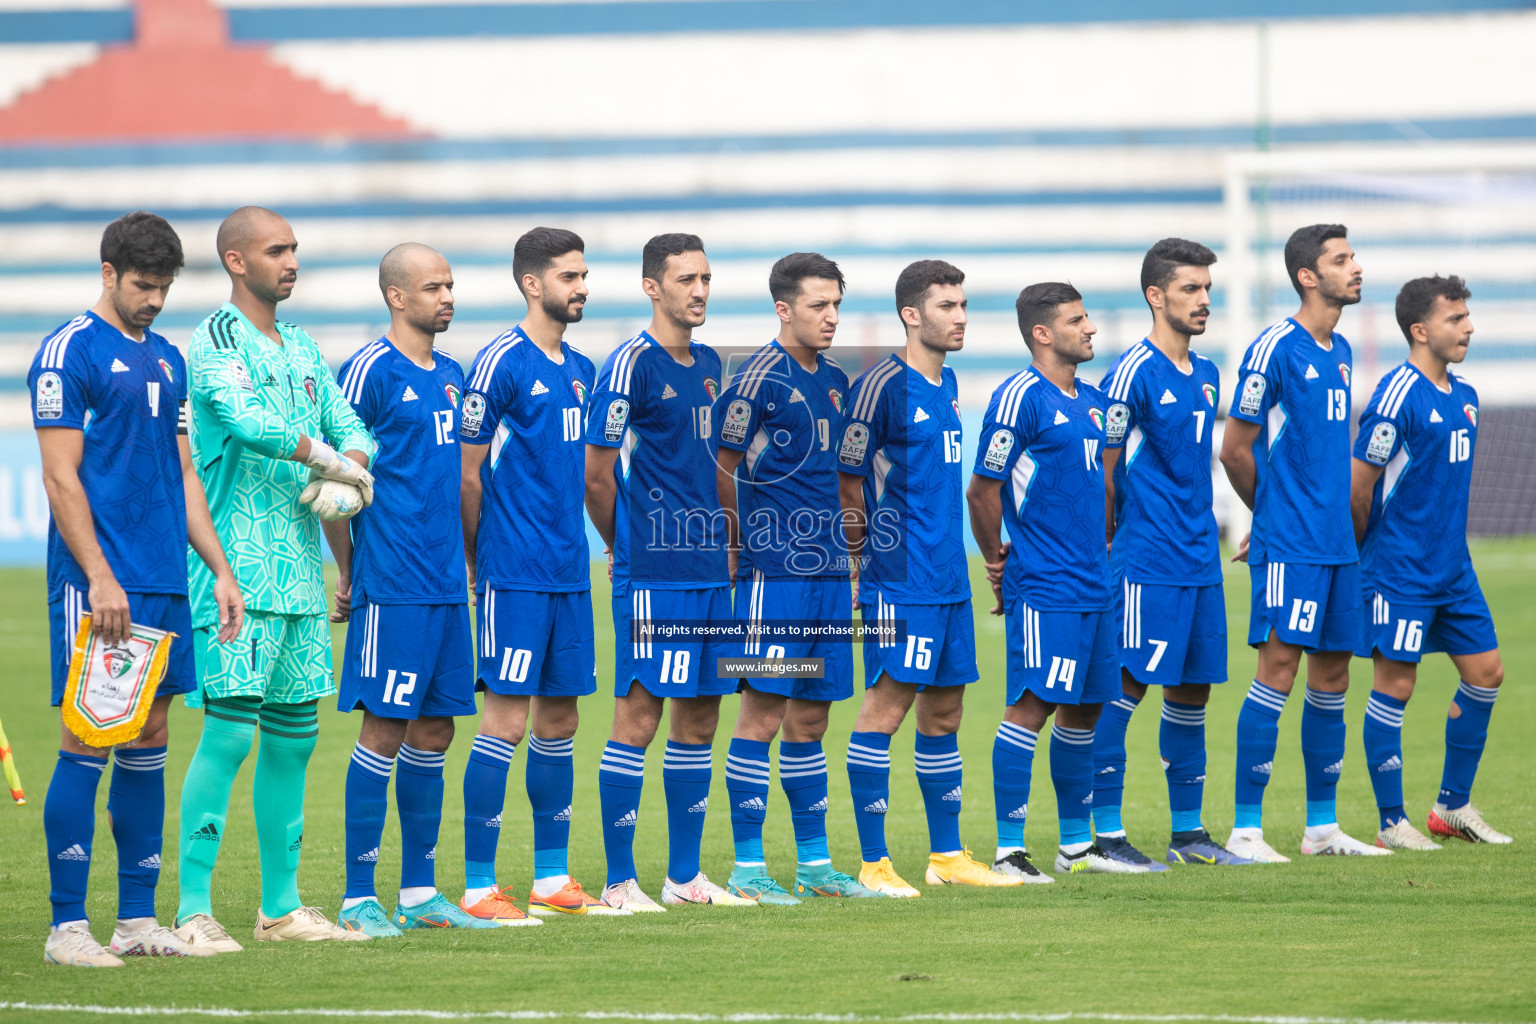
326 463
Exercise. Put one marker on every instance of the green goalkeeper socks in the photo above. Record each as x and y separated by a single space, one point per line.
288 734
229 724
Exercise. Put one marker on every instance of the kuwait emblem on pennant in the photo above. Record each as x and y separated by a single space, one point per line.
453 394
1210 394
581 391
713 387
165 368
110 688
1471 411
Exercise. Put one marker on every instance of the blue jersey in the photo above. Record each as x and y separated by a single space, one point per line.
1165 529
1297 391
901 432
408 546
784 418
669 529
1048 449
530 410
127 397
1416 543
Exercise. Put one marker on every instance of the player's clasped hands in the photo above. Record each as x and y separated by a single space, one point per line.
326 463
995 576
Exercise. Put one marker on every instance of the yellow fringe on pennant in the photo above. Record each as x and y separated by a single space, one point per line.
126 729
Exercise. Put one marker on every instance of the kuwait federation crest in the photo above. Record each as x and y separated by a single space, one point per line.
165 368
1471 411
1209 391
309 389
581 391
453 394
713 387
1097 415
117 661
1344 372
837 398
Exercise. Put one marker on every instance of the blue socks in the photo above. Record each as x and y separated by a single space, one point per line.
551 780
1383 735
1258 734
620 775
485 793
746 782
1013 763
419 797
1322 753
1109 764
1072 776
1466 733
685 774
803 774
367 800
69 825
869 783
1181 741
939 777
136 803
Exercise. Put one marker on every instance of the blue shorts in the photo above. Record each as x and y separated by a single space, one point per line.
409 661
1316 607
1404 631
1171 636
672 667
549 649
169 612
811 600
1062 657
939 647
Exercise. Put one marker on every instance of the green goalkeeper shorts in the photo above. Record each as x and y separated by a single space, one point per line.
283 659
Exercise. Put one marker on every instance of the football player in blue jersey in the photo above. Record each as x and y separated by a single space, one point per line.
1163 552
1412 479
524 459
124 503
652 493
778 480
1040 472
1286 452
899 453
401 589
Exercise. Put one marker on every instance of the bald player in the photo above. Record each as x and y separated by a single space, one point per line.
409 665
266 419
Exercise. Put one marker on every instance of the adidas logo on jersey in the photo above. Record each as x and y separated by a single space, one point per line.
1337 768
118 366
920 416
667 392
1391 764
1311 373
953 794
538 388
371 857
1061 417
754 803
208 831
494 822
878 807
700 807
564 815
409 396
152 862
628 821
795 396
819 805
1264 769
1167 398
1434 416
1018 813
75 852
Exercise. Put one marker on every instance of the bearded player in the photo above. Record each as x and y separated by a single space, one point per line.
263 403
124 503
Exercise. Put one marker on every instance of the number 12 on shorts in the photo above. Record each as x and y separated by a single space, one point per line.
398 687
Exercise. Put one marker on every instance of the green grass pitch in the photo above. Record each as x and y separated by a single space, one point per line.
1444 936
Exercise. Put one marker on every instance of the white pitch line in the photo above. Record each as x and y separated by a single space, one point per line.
700 1018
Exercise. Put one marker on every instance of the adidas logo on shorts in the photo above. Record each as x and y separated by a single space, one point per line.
819 805
538 388
953 794
75 852
564 815
753 804
1018 813
628 821
494 822
209 831
1391 764
700 807
1264 769
1336 768
878 807
371 857
152 862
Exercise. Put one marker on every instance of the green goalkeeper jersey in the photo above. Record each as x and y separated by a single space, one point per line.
251 402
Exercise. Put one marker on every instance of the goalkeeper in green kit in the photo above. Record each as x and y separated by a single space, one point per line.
267 422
